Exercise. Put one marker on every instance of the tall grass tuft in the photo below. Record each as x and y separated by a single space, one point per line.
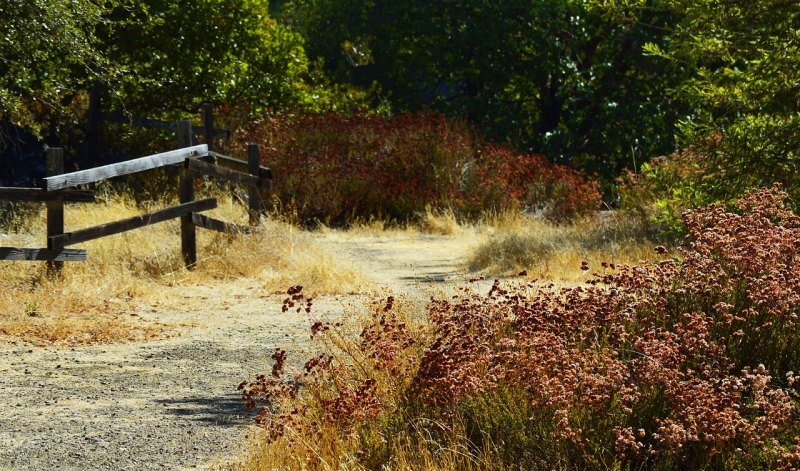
516 242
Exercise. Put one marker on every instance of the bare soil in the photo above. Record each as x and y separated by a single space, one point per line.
173 403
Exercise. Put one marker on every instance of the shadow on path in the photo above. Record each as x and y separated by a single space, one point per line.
227 411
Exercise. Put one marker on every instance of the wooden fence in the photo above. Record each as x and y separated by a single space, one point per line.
192 160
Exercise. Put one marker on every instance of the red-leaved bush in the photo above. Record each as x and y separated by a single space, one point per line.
687 363
503 178
338 168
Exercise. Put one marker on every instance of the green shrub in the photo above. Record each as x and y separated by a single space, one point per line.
664 189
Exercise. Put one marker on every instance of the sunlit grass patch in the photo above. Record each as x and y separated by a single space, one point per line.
86 303
558 252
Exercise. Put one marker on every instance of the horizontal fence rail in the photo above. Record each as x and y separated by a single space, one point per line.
235 164
206 222
49 255
122 118
128 167
39 195
199 167
135 222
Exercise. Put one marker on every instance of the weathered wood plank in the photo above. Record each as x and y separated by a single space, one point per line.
201 220
208 125
124 225
53 255
55 209
139 122
39 195
254 197
204 168
235 164
156 124
186 195
123 168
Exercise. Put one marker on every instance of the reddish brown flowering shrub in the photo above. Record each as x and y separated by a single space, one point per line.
502 178
687 364
337 168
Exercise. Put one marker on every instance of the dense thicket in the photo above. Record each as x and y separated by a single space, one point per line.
603 85
341 169
557 77
744 93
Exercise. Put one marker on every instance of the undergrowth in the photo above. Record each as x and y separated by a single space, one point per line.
685 362
515 243
339 169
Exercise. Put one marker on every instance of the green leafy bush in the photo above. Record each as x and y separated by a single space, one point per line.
664 189
744 59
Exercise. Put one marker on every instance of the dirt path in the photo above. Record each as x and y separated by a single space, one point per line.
411 264
172 403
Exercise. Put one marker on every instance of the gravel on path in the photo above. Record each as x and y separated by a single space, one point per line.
173 403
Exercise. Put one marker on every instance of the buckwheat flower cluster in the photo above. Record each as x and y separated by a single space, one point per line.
686 362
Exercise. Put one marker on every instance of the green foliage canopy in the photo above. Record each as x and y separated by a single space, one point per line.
153 56
555 76
745 93
48 49
179 54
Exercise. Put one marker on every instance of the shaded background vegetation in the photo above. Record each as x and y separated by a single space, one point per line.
557 77
603 86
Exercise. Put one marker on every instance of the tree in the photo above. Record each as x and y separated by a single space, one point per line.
179 54
745 93
554 76
48 50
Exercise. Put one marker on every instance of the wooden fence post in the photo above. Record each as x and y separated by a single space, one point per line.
55 209
254 197
208 125
186 189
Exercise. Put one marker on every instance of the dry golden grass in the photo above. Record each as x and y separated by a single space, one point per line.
374 227
432 221
314 443
326 451
40 310
439 221
88 303
514 242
